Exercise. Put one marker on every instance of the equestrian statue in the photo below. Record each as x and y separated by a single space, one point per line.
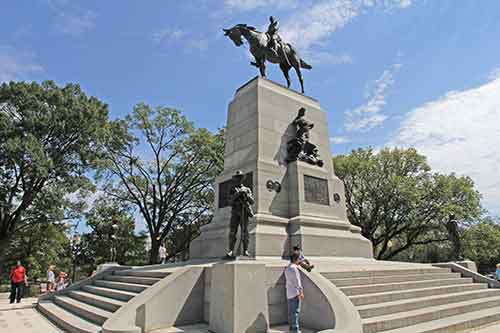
268 46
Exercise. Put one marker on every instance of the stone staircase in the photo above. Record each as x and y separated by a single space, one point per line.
418 300
85 309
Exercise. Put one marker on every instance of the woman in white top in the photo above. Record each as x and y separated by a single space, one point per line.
163 253
51 278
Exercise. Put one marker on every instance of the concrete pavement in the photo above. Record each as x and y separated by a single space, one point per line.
23 317
488 329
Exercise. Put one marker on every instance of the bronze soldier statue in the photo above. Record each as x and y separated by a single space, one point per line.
241 211
454 236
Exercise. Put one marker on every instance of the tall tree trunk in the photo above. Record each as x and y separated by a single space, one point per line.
155 246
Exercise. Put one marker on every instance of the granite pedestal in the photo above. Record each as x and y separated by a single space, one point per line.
310 208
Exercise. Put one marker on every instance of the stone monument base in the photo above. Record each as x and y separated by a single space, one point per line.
233 307
296 203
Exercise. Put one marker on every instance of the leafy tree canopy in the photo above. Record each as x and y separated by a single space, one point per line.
482 243
38 247
398 202
49 139
157 161
97 243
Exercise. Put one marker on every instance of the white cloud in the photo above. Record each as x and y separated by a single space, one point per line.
245 5
200 44
494 74
325 58
71 20
75 24
308 24
460 132
368 115
182 38
340 139
16 65
168 35
312 25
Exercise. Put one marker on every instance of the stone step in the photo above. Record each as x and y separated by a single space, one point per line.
380 309
137 288
132 279
203 328
414 293
384 272
457 323
67 320
408 318
83 310
379 288
142 273
120 295
106 303
392 279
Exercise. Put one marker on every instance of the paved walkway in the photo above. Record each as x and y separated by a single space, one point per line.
23 317
203 328
488 329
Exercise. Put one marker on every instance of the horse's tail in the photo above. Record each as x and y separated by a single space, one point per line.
304 64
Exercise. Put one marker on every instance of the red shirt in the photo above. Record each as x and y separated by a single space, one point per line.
18 274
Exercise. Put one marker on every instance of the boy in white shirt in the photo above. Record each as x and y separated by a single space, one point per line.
294 292
303 262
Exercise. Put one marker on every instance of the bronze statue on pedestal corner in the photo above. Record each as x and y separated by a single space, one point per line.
454 236
300 148
241 211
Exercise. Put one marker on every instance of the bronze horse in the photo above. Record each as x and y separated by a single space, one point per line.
287 57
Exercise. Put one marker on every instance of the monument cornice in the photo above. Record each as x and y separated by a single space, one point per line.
307 100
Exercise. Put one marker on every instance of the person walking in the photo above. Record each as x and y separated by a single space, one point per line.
163 253
51 278
18 280
294 292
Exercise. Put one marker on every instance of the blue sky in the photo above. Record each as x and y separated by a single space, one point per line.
416 73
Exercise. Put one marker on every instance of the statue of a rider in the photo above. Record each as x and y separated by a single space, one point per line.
274 38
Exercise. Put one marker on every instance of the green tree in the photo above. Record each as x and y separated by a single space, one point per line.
96 244
49 139
482 243
398 202
159 162
38 247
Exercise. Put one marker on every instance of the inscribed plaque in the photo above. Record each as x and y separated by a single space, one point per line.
316 190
